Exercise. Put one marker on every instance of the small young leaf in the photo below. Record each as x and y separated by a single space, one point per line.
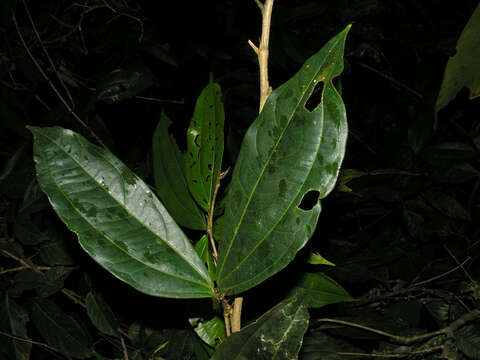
205 145
317 259
202 247
277 334
170 181
211 331
101 315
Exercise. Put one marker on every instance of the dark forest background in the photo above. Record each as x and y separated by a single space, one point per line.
397 237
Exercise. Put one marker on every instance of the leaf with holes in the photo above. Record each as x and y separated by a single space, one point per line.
170 180
287 152
205 145
118 220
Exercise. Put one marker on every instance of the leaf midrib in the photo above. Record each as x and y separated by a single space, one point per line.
126 210
261 176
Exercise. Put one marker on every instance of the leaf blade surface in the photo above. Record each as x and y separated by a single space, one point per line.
117 219
205 145
287 152
170 180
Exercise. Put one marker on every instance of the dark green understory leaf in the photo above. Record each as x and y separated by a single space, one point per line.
287 152
122 84
205 145
61 331
101 315
320 346
276 335
12 321
117 219
447 205
170 180
320 290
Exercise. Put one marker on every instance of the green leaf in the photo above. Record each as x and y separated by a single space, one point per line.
463 69
447 205
12 321
117 219
122 84
53 281
101 315
170 181
203 250
205 145
211 331
287 152
317 259
60 330
320 290
276 335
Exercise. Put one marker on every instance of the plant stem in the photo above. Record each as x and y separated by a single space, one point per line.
262 51
210 216
236 315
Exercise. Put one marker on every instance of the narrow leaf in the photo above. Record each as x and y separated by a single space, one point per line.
321 290
287 152
276 335
463 69
170 181
60 330
13 320
205 145
101 315
117 219
202 247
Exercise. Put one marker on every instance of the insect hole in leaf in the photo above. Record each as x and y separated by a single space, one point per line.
316 96
309 200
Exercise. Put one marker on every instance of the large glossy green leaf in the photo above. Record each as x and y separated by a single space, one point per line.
276 335
117 219
13 320
286 152
205 145
170 180
463 69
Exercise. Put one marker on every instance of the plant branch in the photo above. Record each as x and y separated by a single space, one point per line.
17 338
448 331
262 51
55 90
210 215
236 315
52 64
